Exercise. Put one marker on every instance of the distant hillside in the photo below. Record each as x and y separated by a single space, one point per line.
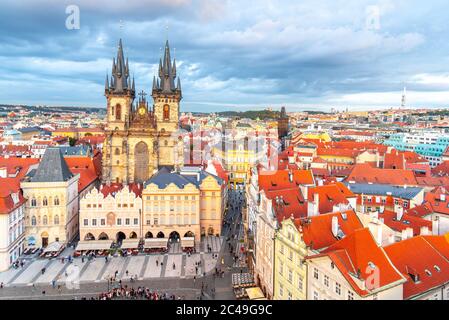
261 114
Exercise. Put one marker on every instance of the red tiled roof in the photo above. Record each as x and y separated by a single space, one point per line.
363 173
291 204
330 195
87 169
18 164
350 153
317 230
407 221
434 198
433 181
355 254
278 180
7 187
394 160
442 169
413 257
422 210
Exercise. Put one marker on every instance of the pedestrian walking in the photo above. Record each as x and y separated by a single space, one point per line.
174 266
157 263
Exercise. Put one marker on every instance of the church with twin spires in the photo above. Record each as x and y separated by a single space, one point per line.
141 135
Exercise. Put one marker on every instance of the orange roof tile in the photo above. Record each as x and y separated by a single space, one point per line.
317 231
355 254
416 255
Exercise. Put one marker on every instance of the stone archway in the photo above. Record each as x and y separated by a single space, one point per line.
141 162
89 237
148 235
120 236
189 234
103 236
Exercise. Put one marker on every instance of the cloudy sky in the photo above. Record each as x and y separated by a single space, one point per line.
232 55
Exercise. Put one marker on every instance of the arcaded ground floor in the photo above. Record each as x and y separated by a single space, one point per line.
174 264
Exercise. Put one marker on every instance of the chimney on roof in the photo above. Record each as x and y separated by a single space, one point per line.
391 238
442 197
399 213
435 226
404 234
424 231
410 232
379 234
335 226
290 176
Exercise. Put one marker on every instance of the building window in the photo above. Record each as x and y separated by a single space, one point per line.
56 201
127 221
315 273
290 276
350 295
56 219
103 222
316 296
45 201
289 294
45 221
136 221
94 222
338 288
119 221
86 222
156 221
300 283
281 290
326 281
33 202
33 221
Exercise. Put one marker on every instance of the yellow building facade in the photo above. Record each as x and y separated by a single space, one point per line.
290 270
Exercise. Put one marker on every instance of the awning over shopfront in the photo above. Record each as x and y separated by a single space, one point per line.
94 245
188 242
130 244
255 293
53 247
155 243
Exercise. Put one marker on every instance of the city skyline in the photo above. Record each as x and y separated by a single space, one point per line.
272 54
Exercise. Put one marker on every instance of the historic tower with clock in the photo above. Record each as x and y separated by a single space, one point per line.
141 138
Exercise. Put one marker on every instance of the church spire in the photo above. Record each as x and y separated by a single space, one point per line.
167 73
120 79
106 83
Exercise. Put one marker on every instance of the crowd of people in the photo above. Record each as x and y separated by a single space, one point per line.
142 293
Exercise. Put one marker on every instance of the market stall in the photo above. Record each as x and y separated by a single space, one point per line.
130 246
156 245
54 249
255 293
188 244
97 247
